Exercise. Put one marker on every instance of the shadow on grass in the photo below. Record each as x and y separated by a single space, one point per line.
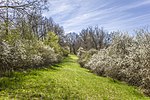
69 59
13 80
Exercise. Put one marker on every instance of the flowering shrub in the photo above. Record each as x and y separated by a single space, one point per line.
126 59
25 54
84 56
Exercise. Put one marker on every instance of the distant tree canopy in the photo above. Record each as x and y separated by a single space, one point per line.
91 37
73 42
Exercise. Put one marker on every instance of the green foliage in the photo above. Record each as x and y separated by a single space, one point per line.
65 52
52 40
69 82
12 37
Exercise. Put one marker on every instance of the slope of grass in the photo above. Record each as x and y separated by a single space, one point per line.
65 81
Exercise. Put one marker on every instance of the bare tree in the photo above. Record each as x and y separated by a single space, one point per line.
91 37
72 41
12 9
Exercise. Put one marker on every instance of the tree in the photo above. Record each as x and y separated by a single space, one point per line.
72 41
52 40
13 9
93 38
89 38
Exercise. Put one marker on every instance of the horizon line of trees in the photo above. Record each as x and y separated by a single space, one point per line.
89 38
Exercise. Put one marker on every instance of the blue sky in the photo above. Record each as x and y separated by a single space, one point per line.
113 15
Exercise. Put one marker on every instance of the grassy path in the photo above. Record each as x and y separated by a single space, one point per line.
64 81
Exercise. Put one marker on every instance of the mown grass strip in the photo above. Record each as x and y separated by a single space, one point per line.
67 81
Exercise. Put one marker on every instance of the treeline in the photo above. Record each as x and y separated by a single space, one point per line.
91 37
27 39
117 54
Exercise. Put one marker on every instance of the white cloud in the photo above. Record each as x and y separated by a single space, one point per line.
77 14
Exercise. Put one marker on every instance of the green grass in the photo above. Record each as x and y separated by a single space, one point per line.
65 81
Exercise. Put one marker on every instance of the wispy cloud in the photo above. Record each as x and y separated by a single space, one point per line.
74 15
